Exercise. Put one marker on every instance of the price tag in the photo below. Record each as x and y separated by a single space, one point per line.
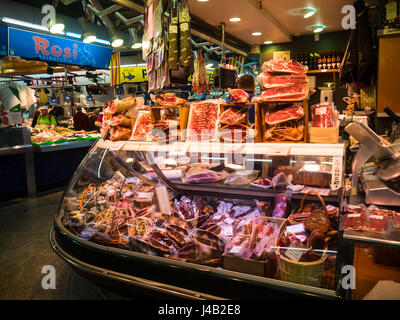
173 29
376 217
229 220
145 195
235 249
296 228
216 216
279 151
320 111
293 253
337 176
227 230
113 145
354 215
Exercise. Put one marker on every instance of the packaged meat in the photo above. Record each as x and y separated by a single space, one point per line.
280 206
378 223
264 183
323 115
283 132
354 221
294 92
118 106
203 120
231 116
269 80
143 126
238 95
197 175
242 177
291 66
396 220
279 182
291 112
120 133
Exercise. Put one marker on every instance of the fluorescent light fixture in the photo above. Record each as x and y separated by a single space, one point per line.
202 0
24 24
268 42
57 26
88 37
128 65
136 42
256 34
318 28
117 42
141 64
103 41
73 35
235 19
137 45
308 12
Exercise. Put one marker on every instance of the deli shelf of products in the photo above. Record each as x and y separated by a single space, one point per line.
391 239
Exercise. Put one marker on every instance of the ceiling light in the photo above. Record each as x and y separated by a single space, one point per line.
202 0
318 28
116 41
209 66
56 26
308 12
235 19
136 42
88 37
256 34
268 42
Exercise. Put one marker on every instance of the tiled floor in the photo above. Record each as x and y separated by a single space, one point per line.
24 249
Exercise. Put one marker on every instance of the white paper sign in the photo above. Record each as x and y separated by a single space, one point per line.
296 228
293 253
145 195
235 249
227 230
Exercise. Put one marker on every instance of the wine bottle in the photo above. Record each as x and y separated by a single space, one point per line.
329 60
324 60
338 59
316 56
320 61
311 61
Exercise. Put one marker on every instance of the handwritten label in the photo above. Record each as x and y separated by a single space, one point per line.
296 228
293 253
320 111
229 220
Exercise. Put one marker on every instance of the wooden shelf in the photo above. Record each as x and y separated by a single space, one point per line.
322 71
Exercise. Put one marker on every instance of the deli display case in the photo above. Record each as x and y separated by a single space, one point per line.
206 220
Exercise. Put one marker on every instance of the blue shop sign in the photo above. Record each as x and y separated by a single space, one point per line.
3 41
31 45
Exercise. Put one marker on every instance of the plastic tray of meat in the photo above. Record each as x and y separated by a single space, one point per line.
355 219
295 92
143 126
291 66
203 120
269 80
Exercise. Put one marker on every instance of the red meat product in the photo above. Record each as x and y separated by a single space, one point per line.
323 116
203 119
291 66
295 92
231 116
378 223
238 95
354 221
292 112
120 133
197 175
143 126
280 206
396 220
269 80
167 99
237 132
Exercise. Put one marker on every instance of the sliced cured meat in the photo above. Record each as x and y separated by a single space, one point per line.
291 66
120 133
203 119
118 106
295 92
231 116
291 112
143 126
236 132
167 99
238 95
282 132
269 80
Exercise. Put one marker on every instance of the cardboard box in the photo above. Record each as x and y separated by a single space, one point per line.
323 135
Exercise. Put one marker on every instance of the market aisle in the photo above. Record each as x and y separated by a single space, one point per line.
24 230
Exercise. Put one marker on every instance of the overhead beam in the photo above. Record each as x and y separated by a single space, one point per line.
141 9
128 22
105 12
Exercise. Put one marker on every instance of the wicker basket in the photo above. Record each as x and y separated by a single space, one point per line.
308 273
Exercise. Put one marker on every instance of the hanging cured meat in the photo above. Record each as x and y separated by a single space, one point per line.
121 120
203 119
291 112
238 95
185 38
173 41
231 116
200 76
120 133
